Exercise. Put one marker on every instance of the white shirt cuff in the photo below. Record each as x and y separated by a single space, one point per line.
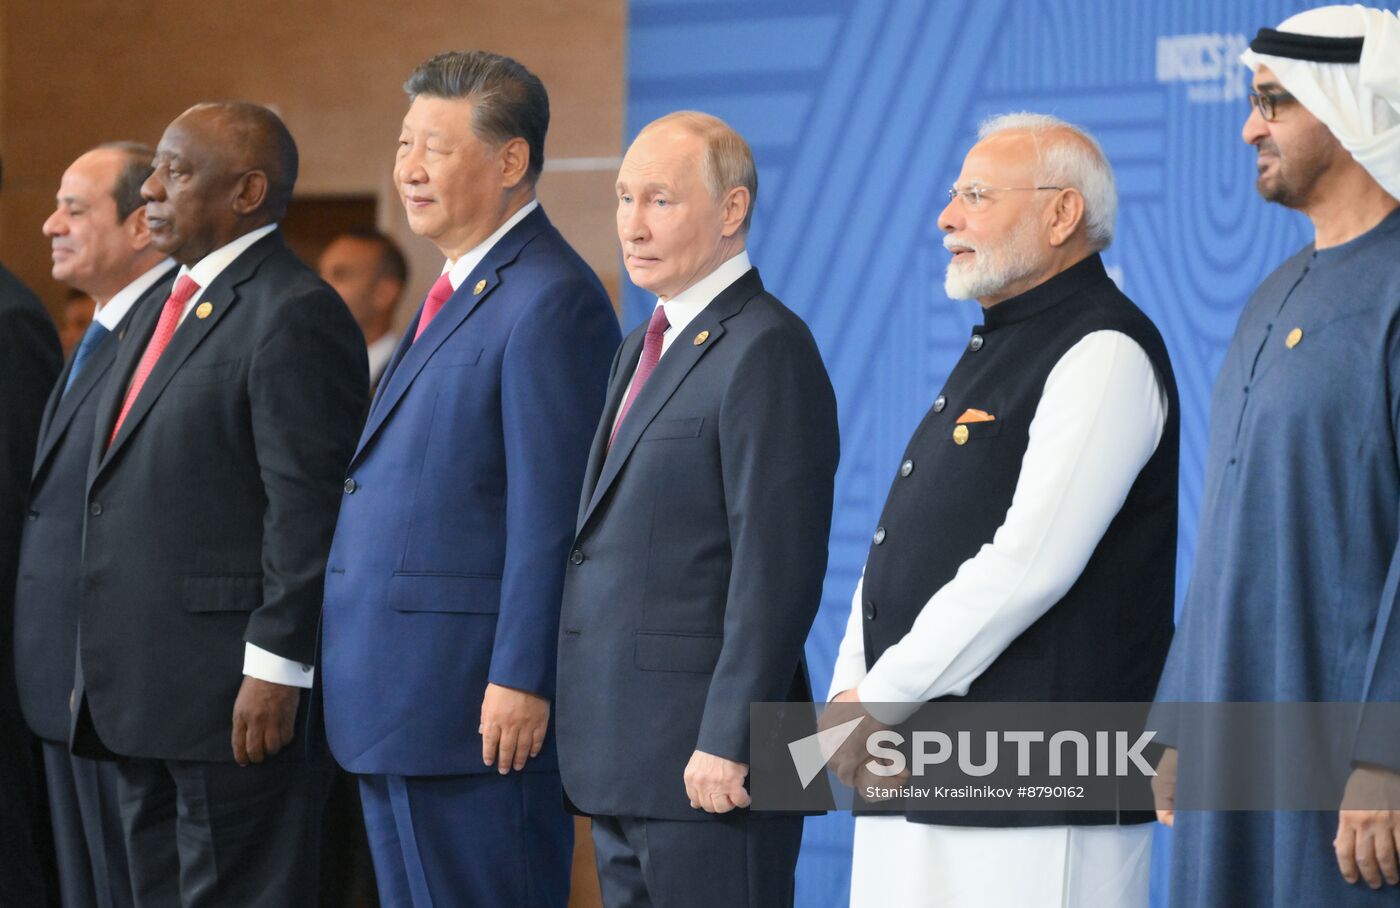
259 663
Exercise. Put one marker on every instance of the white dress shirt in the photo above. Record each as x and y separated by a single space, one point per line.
682 308
111 313
1098 422
380 352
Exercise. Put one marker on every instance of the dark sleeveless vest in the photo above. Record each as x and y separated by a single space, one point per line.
1107 638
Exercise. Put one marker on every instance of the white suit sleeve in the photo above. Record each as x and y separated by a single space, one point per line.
850 658
1099 420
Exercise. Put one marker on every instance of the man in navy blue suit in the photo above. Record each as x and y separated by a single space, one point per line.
444 580
701 544
101 246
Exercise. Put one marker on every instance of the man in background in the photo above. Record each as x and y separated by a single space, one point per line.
369 271
102 247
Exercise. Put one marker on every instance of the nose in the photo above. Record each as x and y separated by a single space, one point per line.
951 217
55 224
631 222
151 190
1255 127
409 167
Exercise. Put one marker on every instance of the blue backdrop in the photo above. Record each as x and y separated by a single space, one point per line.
859 113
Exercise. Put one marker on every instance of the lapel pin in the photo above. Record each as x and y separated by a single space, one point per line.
1294 338
960 435
203 310
480 286
701 337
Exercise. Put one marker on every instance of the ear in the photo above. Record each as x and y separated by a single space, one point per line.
734 207
514 156
1066 215
138 232
251 192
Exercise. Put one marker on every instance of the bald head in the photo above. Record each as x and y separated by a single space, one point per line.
221 170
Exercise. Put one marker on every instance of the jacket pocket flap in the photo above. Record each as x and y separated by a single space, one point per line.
222 592
678 652
469 593
673 428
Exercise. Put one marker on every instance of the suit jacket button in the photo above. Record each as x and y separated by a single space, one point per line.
879 535
975 344
869 611
940 403
350 486
576 557
33 515
96 509
906 468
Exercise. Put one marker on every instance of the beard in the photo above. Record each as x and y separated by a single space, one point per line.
1291 181
995 265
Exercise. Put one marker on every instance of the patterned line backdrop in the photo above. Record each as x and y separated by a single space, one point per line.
859 112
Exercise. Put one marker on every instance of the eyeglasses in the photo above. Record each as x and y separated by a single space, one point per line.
1267 104
973 196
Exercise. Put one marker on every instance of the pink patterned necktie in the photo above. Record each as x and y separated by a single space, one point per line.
437 297
651 354
165 330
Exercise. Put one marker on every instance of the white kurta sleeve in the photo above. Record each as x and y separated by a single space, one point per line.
1099 420
850 658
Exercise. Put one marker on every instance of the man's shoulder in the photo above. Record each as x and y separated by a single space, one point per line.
15 296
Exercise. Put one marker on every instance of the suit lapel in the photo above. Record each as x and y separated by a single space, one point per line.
627 358
62 405
674 366
222 295
412 356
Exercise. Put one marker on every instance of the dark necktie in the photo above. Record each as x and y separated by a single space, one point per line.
440 293
165 330
91 338
651 354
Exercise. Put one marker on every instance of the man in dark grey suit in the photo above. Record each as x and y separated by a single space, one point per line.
30 358
221 443
702 541
101 246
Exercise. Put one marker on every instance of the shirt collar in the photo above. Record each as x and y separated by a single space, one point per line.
691 301
1042 296
208 269
457 271
115 309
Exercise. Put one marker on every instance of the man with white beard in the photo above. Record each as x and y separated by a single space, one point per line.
1027 548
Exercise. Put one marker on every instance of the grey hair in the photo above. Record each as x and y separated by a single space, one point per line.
1080 165
508 101
728 159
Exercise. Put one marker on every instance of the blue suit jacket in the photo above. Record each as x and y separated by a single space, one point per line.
448 562
700 553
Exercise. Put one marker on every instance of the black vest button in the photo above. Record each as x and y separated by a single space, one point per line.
975 344
906 468
879 535
350 486
869 611
576 557
96 509
940 403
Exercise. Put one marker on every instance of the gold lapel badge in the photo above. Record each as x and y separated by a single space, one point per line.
1294 338
203 310
480 286
960 435
701 337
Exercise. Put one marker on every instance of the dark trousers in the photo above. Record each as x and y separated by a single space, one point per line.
27 879
732 859
218 835
469 841
87 830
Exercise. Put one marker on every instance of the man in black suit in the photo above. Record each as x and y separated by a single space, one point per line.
30 358
101 246
697 567
221 441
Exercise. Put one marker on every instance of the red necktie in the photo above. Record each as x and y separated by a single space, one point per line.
440 293
651 354
165 329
